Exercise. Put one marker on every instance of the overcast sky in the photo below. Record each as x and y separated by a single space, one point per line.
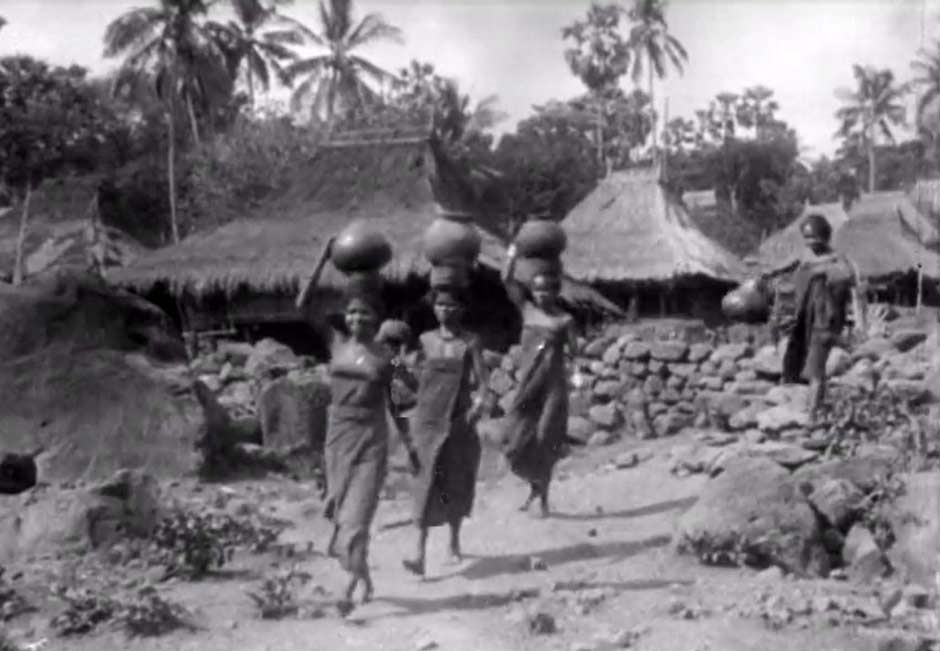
803 49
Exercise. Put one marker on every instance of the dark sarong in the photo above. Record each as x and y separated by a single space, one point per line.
356 458
537 420
447 445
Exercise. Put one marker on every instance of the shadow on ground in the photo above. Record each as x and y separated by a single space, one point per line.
490 566
649 509
412 607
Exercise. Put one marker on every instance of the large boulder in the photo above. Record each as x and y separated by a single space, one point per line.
95 379
781 417
915 521
293 412
50 521
754 514
270 358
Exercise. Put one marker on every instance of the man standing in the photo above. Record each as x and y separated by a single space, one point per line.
825 282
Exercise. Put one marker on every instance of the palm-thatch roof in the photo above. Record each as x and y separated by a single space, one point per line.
631 229
787 245
397 181
897 204
883 246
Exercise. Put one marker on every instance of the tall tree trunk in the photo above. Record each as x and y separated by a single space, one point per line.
652 106
171 174
871 165
192 120
251 88
21 236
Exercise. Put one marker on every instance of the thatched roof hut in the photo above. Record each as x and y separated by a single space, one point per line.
885 246
396 180
630 229
786 245
888 205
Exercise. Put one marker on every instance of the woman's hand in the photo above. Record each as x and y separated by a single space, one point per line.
512 252
475 413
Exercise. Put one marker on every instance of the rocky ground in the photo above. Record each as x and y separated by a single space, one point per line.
698 509
602 573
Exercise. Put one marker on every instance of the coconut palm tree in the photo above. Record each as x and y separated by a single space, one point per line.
652 45
259 41
927 82
170 45
870 111
337 79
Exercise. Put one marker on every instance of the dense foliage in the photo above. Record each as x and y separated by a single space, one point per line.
182 138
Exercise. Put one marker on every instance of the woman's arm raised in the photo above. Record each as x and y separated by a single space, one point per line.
306 292
513 287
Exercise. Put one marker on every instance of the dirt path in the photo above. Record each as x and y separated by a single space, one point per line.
609 567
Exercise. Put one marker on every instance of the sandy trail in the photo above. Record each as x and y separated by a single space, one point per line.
610 533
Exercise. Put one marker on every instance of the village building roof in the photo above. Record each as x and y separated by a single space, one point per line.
398 180
632 229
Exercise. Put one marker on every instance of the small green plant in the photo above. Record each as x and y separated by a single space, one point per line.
877 506
12 603
83 613
193 544
277 597
151 615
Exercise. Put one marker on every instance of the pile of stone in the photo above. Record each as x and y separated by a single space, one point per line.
278 399
653 388
853 515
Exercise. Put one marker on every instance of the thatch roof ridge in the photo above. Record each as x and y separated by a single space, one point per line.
630 228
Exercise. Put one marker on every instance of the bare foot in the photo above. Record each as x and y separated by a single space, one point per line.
454 557
344 607
415 566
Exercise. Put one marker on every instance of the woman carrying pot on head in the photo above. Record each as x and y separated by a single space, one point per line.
451 399
537 419
825 282
356 446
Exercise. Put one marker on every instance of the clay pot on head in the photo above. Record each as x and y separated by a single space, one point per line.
359 248
541 238
747 303
449 239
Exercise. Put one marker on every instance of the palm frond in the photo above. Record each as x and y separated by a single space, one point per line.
674 44
312 66
301 92
131 30
277 52
372 70
373 28
259 68
294 25
284 37
655 55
